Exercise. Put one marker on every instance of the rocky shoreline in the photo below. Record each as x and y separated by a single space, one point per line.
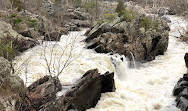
41 95
143 39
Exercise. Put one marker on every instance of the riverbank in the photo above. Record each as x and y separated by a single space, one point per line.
147 88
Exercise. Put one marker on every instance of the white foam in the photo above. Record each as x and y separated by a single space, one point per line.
148 88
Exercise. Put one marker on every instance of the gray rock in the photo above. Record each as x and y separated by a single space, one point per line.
78 14
53 36
166 19
12 89
85 94
48 6
5 70
29 32
124 37
43 91
81 23
181 93
163 11
23 43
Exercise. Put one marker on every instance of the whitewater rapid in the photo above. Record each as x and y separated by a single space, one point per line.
147 88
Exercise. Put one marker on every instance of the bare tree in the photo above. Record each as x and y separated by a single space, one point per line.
56 62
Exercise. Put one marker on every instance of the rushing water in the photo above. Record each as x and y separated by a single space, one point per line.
147 88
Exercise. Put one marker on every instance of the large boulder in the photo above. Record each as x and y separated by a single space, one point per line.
181 93
77 18
23 43
129 37
42 94
12 89
43 91
163 11
85 94
181 90
78 13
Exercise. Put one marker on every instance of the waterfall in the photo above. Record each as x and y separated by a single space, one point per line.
120 65
148 88
133 60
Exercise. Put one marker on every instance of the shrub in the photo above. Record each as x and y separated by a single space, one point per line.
7 49
120 7
128 15
32 22
13 15
89 5
16 21
110 16
155 24
147 24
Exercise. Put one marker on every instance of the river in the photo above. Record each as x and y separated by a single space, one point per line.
145 88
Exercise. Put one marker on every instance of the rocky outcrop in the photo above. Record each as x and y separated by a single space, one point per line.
29 32
186 60
89 89
5 70
83 95
43 91
164 11
79 18
48 6
78 13
12 89
181 90
181 93
7 33
44 28
129 37
35 26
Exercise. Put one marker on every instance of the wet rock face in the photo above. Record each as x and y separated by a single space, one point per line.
181 93
186 60
129 37
85 94
181 90
43 91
